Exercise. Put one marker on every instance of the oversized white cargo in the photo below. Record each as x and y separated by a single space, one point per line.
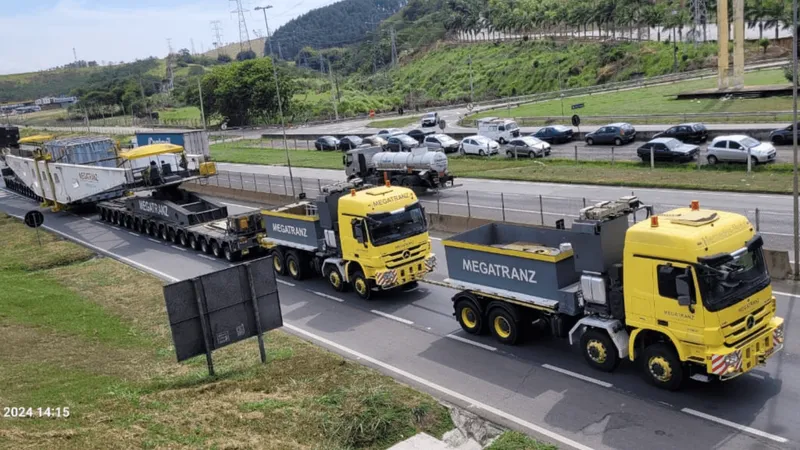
418 159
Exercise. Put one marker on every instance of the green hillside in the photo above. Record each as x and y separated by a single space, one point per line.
33 85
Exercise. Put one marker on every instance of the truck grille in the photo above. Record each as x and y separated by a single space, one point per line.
396 259
738 331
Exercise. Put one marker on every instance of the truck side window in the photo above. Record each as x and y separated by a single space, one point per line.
666 281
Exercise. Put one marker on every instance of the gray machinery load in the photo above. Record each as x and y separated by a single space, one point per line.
188 219
419 169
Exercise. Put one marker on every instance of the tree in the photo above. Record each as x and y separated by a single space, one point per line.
223 58
244 55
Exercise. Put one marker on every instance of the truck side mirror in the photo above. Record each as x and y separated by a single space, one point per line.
358 230
684 287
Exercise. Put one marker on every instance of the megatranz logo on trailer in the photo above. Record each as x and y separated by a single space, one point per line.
289 229
499 270
154 208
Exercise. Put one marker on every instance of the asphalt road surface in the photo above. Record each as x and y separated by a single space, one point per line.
541 386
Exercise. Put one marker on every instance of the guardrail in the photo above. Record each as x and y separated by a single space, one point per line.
644 119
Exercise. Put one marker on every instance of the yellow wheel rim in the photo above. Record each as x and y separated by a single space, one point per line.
597 351
293 267
276 263
335 279
361 286
660 368
502 327
468 317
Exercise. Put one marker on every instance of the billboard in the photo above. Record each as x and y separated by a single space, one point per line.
159 138
221 308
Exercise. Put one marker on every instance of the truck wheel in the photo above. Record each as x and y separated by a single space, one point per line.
164 232
216 250
662 367
183 239
193 243
469 317
204 247
173 236
361 285
230 255
278 262
152 229
599 350
335 278
503 326
128 222
294 266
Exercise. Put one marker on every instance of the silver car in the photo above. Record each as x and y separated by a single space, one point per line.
527 146
734 148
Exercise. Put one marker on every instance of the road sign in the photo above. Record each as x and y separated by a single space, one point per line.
34 219
576 120
442 124
220 308
578 106
469 106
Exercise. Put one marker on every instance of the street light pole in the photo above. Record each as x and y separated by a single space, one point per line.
278 93
796 206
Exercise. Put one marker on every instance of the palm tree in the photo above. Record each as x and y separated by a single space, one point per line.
775 12
754 14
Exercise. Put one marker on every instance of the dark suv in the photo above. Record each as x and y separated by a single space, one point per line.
686 132
615 133
781 135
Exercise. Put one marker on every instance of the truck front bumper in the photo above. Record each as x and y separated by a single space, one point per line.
728 363
390 278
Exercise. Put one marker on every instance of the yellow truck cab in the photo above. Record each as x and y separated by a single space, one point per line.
686 293
367 238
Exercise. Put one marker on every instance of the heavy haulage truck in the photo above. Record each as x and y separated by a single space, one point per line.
367 238
188 219
684 294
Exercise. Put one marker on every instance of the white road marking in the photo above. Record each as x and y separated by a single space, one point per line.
178 248
471 342
116 228
774 234
755 375
86 218
207 257
329 297
133 234
389 316
578 376
786 293
435 238
239 206
544 432
285 282
735 425
154 240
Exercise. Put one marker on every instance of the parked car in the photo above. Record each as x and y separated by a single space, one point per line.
782 135
430 119
554 134
326 143
419 135
478 145
441 142
527 146
734 148
374 140
667 149
350 142
614 133
389 132
401 143
686 132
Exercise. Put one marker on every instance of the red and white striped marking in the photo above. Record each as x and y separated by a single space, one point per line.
718 365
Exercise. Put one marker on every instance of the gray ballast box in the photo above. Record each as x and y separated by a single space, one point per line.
306 233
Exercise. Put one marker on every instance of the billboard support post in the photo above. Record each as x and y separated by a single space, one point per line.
203 325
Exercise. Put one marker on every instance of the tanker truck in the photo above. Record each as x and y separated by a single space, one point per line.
420 169
685 294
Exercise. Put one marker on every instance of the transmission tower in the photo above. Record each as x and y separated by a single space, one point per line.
170 58
191 42
216 28
244 34
75 55
700 15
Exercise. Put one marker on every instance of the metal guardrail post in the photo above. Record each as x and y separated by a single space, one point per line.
319 185
576 153
652 158
749 160
584 202
541 209
438 209
469 209
241 180
758 220
503 206
612 156
255 182
301 185
229 179
285 191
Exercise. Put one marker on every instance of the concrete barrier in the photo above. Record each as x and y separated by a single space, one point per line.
778 264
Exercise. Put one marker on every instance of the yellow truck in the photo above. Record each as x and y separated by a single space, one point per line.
685 294
367 238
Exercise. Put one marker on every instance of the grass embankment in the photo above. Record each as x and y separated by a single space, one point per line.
91 334
772 178
660 100
512 440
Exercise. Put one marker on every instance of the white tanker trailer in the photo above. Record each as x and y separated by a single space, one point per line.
419 169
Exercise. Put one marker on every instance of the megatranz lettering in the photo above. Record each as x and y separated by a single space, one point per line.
86 176
288 229
391 199
499 270
154 208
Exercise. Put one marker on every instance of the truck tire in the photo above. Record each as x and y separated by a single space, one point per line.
504 328
278 262
204 247
193 243
163 232
128 222
295 266
469 316
335 278
599 350
216 250
183 239
361 285
662 367
231 255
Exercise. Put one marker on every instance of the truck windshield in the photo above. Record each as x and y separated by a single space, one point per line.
385 228
729 283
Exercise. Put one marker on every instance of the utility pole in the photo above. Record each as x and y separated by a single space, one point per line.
191 42
795 205
278 93
471 88
75 55
170 74
321 64
394 47
333 92
280 52
202 109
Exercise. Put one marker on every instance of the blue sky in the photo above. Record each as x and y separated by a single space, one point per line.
39 34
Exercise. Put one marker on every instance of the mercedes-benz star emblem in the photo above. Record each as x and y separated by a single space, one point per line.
751 320
406 254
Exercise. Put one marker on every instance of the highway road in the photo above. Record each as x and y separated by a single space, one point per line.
520 200
541 386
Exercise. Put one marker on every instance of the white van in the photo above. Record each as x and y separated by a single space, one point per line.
500 130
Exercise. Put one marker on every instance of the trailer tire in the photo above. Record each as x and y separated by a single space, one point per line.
335 278
152 229
231 255
215 249
469 316
294 265
173 236
278 262
193 243
128 222
164 233
361 285
504 328
599 350
204 247
183 239
662 367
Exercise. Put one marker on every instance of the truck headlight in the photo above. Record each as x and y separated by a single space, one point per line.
733 360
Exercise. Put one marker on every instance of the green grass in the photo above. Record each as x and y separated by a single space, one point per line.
399 122
512 440
185 113
91 334
249 152
660 100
